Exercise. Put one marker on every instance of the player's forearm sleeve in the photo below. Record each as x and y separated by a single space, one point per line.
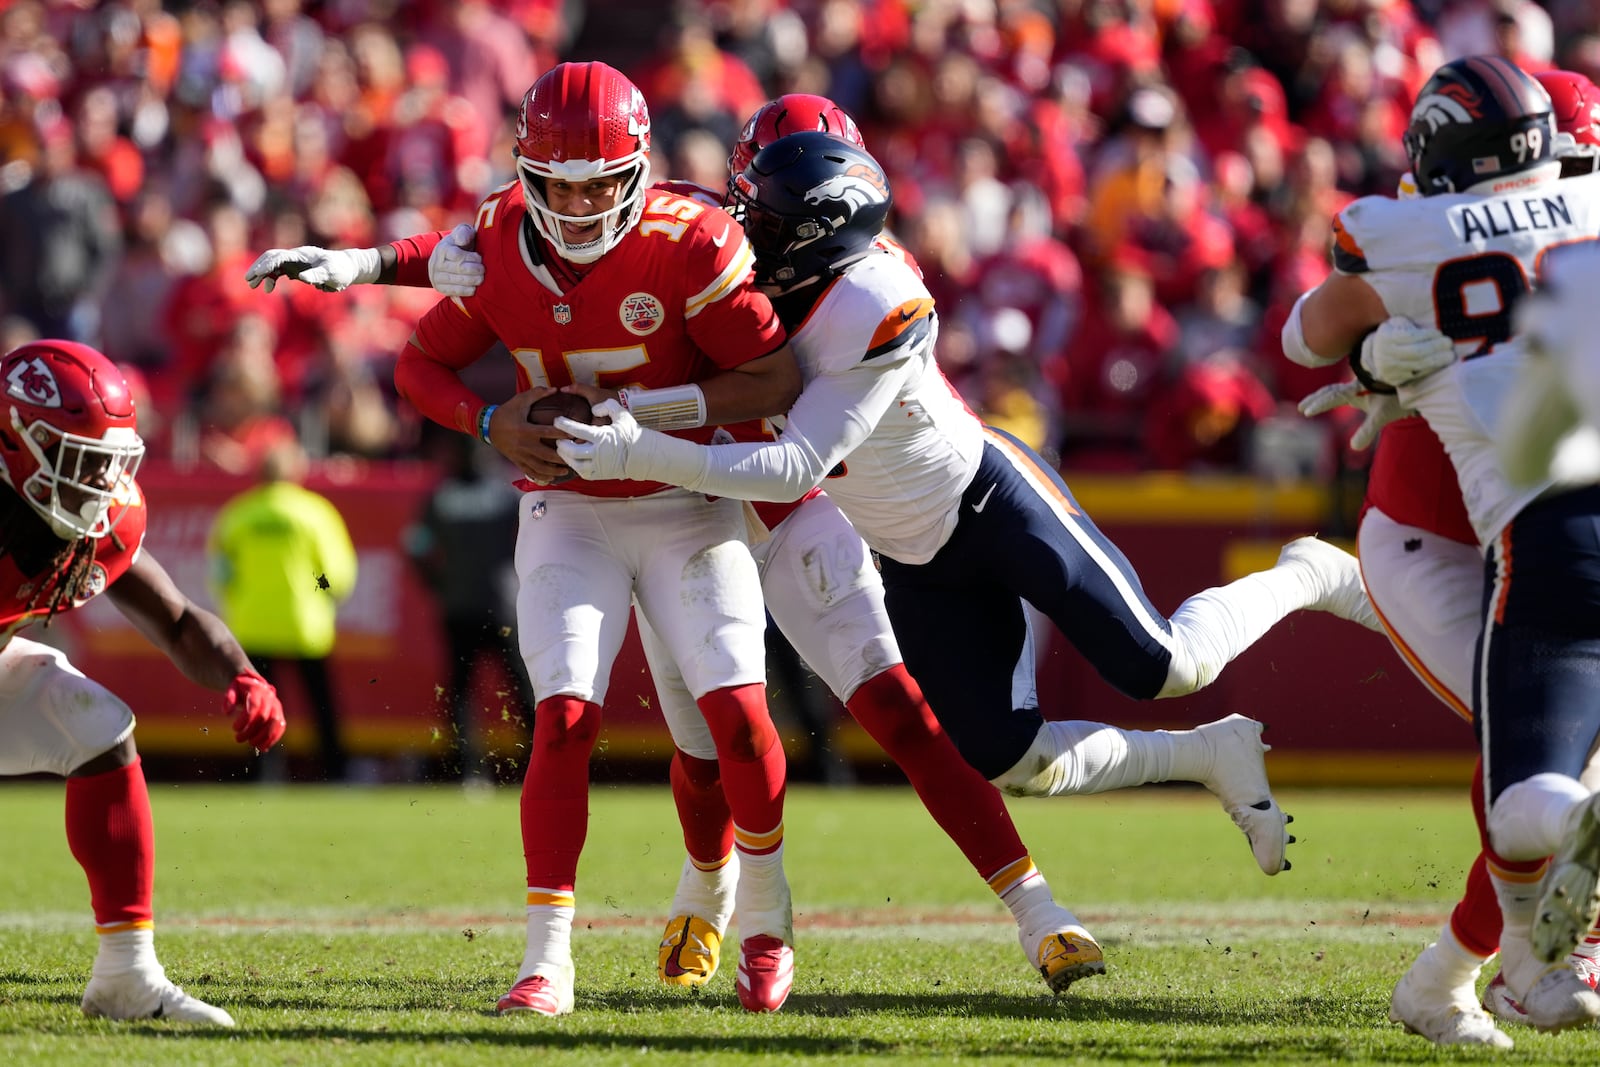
435 389
833 415
411 264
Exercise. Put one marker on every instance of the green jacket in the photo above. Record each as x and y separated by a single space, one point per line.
281 560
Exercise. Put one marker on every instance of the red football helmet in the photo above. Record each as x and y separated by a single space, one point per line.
582 121
1577 113
68 439
790 113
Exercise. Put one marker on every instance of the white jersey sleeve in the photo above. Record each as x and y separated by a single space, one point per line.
876 421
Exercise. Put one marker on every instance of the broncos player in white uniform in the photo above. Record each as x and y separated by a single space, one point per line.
1456 260
967 521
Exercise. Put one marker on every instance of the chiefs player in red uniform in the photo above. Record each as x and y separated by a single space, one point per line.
591 281
72 528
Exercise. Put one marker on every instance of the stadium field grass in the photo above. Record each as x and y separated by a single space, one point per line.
378 925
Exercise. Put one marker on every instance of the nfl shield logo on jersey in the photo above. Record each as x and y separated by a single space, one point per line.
563 314
641 313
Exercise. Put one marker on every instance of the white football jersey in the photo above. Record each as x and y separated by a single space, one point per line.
876 424
1459 263
866 351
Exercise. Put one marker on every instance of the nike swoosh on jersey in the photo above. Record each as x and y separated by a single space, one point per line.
979 506
722 238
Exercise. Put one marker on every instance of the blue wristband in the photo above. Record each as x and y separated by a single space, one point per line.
483 423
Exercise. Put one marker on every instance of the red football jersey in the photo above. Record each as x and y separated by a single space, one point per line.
673 302
18 590
1413 482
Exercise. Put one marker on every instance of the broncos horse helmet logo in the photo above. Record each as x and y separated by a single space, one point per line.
856 187
1451 104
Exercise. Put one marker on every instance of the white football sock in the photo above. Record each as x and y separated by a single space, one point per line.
762 897
1215 625
126 951
707 894
549 937
1077 757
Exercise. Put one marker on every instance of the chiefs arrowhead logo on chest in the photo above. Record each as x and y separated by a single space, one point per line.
641 314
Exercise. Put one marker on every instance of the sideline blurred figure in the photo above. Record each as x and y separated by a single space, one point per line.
281 563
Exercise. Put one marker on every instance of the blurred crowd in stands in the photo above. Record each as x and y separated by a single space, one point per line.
1115 202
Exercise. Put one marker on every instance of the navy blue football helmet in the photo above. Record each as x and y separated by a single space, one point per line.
811 205
1478 119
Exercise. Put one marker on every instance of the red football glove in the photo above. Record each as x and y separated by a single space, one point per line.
259 722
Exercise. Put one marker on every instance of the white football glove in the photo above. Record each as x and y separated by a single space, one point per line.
1400 351
1381 409
624 449
454 269
329 269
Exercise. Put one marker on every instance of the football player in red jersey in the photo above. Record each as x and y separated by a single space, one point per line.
72 524
827 597
591 280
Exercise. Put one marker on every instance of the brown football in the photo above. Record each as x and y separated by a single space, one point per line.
570 405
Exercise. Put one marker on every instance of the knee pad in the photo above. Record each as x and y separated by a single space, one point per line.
55 719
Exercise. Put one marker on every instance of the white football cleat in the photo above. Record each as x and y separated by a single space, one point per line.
1559 1000
1442 1015
1571 901
1336 580
147 995
1239 779
1498 1001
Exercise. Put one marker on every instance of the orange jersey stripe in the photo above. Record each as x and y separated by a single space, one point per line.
122 928
1342 238
899 320
1502 581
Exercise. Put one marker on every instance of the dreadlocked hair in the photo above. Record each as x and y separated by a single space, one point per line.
61 566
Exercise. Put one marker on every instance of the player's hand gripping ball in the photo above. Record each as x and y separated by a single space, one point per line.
545 411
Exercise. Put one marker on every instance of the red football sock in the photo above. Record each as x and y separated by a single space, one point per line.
891 708
113 838
702 808
555 791
1476 920
752 761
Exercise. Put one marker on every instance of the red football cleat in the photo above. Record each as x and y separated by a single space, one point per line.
766 973
536 993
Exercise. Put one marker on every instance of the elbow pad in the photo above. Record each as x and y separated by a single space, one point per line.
1294 340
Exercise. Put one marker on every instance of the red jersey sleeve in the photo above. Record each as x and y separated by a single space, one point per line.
451 336
729 319
411 264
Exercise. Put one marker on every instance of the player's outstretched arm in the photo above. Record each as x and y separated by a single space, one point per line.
444 260
329 269
201 646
